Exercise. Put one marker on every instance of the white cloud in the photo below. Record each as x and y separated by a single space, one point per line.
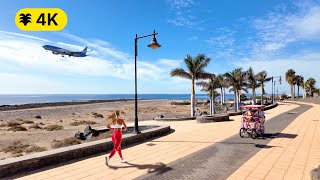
26 53
181 14
178 4
15 83
280 28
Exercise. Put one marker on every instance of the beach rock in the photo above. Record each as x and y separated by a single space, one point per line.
315 174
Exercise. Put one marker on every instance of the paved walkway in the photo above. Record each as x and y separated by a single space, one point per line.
221 159
154 156
289 158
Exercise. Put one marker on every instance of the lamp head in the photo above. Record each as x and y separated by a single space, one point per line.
154 44
280 80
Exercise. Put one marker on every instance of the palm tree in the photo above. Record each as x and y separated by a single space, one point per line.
252 83
195 71
210 87
299 82
310 86
262 78
236 79
223 83
290 78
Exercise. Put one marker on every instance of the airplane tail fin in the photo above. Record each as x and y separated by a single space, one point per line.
85 50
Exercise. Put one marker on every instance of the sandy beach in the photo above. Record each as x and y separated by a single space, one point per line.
64 116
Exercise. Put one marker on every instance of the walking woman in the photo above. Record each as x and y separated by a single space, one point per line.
117 122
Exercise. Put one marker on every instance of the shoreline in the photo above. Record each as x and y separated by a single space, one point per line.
55 104
67 103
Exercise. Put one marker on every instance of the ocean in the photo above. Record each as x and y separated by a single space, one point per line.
46 98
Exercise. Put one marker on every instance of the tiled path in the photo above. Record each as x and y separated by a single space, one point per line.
190 137
290 158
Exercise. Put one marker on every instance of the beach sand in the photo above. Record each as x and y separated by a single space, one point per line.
64 115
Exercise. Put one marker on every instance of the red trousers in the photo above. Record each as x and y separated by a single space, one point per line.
116 139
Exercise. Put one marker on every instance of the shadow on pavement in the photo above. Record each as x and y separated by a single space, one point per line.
158 168
264 146
280 135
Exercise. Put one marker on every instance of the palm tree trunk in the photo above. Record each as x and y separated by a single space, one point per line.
294 91
224 93
212 106
192 99
221 96
298 91
253 96
235 101
261 93
291 89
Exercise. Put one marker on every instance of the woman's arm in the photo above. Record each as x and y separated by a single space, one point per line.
124 124
109 127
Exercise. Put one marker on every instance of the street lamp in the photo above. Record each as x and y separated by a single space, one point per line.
273 86
153 45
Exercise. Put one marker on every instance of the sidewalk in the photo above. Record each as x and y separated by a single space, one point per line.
289 157
152 156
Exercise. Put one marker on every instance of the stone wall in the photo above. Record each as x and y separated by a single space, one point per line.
12 166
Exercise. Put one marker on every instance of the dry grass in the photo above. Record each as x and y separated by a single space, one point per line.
65 142
16 148
35 126
77 123
102 136
27 122
13 123
53 127
3 125
17 128
35 148
97 115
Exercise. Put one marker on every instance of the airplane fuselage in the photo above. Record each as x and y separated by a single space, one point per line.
58 50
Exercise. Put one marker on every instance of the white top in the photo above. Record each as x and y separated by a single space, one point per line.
117 125
261 114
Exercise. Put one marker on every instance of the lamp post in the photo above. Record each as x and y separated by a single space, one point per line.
274 86
153 45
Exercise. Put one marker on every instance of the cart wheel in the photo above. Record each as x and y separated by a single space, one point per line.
242 132
253 134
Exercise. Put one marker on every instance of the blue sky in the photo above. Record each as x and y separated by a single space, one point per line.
266 35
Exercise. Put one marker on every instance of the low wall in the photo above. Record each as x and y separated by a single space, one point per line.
174 119
213 118
12 166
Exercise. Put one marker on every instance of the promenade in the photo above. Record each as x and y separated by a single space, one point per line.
204 151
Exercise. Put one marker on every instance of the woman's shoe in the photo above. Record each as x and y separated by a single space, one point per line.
107 160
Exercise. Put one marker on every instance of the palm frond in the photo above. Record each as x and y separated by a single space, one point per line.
181 73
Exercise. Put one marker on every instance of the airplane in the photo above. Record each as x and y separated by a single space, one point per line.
57 50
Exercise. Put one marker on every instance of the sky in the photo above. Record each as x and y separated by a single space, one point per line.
271 35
